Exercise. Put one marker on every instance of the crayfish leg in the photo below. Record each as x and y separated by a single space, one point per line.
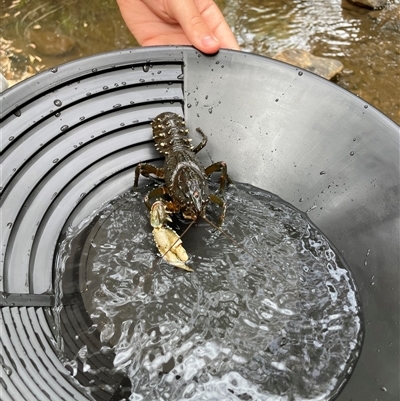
202 143
220 202
145 170
224 179
154 193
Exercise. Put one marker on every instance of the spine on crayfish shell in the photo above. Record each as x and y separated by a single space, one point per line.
170 134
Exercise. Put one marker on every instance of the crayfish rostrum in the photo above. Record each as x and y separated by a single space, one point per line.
185 186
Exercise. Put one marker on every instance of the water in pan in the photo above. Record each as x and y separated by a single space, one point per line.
284 326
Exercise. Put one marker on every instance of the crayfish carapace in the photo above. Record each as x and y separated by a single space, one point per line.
185 186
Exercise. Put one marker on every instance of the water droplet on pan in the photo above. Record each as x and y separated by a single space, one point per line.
300 73
8 370
58 102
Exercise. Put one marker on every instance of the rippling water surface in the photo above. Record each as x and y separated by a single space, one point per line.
365 41
283 324
358 37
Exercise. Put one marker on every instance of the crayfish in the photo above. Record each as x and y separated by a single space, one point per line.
185 186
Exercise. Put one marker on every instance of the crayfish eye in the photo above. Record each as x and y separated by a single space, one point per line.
196 194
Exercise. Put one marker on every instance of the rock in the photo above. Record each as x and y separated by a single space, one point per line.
15 65
352 11
370 3
387 19
51 44
3 83
324 67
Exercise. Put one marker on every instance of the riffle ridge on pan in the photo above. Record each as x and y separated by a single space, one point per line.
71 137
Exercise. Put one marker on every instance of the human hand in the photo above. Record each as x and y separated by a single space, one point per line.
178 22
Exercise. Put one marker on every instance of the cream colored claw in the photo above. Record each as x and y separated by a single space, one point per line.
167 240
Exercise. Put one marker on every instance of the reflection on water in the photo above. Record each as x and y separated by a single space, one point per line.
283 326
278 25
356 36
364 41
93 27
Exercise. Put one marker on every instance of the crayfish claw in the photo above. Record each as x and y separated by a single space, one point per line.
170 246
159 214
167 240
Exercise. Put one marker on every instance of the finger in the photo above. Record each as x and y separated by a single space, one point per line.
194 26
223 33
215 20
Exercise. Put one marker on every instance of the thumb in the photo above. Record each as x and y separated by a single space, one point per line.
194 27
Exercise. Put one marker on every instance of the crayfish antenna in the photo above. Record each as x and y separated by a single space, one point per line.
231 238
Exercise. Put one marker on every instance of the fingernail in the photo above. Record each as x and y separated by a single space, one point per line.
209 41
